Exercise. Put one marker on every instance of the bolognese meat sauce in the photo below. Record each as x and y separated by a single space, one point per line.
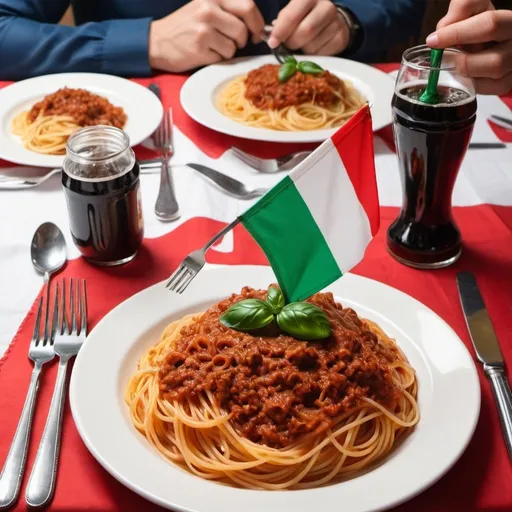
264 90
86 108
277 389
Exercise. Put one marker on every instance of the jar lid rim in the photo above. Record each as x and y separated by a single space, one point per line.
108 134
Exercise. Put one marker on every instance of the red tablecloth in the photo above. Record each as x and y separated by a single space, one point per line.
480 481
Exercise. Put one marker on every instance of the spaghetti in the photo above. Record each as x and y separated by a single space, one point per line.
271 412
304 102
46 127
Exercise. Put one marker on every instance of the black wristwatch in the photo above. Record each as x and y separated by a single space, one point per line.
356 32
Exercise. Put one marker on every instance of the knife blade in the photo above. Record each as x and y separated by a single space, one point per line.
155 89
504 122
487 145
487 350
478 321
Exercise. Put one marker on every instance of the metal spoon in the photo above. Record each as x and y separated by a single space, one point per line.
48 254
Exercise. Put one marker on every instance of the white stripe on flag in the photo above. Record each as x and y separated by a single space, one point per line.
326 189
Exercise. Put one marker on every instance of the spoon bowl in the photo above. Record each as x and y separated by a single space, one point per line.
48 249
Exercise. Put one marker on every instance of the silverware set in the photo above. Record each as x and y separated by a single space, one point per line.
66 339
60 330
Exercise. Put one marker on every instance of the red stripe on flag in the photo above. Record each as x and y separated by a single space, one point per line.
354 143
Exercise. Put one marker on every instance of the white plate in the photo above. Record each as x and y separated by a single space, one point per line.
199 93
143 109
449 399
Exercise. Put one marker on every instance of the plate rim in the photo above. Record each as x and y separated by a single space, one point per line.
261 134
473 407
57 160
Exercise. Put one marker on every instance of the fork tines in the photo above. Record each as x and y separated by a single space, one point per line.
163 134
77 308
180 279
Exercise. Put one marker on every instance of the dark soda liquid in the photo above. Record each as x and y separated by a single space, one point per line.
431 142
105 216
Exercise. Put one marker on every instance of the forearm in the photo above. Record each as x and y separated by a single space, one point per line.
30 48
386 22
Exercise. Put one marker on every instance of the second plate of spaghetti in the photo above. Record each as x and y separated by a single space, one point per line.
245 97
204 418
38 115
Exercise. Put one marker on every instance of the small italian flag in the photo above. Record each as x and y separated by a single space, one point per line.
317 222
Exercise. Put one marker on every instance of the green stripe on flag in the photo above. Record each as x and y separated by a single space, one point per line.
284 228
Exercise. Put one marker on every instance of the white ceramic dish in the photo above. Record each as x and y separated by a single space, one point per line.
199 93
143 109
449 399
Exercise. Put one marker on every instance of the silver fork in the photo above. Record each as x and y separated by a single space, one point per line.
271 165
21 182
166 206
15 182
194 262
281 52
40 352
68 341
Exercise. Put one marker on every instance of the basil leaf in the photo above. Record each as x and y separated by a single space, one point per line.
286 71
275 298
247 315
290 58
305 66
304 321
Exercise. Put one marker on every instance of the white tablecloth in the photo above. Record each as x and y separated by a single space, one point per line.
485 177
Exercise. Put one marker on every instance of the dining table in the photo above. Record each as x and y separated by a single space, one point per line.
481 480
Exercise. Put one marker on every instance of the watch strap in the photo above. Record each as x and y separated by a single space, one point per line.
355 28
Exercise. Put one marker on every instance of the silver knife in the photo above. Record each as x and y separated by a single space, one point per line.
487 145
487 350
504 122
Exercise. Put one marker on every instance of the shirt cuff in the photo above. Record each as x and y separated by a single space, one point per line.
126 47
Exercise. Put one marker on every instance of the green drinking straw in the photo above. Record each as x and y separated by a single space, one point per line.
430 95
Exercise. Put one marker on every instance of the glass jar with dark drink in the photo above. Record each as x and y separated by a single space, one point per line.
431 141
101 185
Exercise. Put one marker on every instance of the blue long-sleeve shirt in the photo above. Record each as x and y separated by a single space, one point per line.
111 36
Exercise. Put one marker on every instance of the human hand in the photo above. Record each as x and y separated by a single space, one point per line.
314 26
203 32
486 34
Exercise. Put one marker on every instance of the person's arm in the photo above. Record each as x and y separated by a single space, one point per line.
31 42
385 22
